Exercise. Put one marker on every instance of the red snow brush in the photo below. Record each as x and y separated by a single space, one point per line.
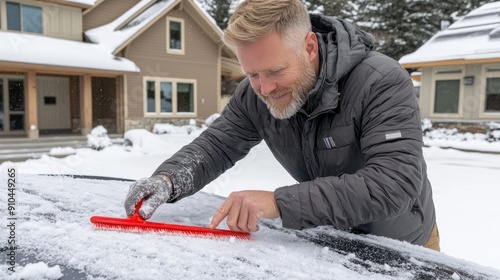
137 223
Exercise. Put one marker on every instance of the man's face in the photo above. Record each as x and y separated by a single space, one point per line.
280 77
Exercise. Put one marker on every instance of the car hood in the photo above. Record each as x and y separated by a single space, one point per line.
52 228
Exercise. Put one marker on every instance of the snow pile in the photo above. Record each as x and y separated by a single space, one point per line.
166 128
40 270
452 138
60 151
453 135
493 134
142 140
98 138
426 125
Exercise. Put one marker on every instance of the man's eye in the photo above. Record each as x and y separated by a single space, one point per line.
253 75
276 72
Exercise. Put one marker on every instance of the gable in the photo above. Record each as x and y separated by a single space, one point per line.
124 29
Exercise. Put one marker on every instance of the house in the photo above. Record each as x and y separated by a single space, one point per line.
459 69
68 66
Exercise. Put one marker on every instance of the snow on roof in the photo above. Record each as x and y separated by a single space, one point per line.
41 50
111 37
475 36
83 2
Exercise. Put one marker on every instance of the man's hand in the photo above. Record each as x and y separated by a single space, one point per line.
244 209
155 190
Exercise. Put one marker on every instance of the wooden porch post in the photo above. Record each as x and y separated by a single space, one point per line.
31 126
86 105
120 105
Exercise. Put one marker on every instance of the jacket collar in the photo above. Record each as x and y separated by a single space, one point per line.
341 47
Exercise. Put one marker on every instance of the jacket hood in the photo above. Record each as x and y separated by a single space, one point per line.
342 46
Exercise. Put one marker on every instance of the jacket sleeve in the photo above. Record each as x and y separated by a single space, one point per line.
390 181
218 148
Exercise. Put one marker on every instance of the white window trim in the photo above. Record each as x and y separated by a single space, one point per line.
183 45
482 96
445 76
174 112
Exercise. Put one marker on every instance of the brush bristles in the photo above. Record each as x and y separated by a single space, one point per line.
136 229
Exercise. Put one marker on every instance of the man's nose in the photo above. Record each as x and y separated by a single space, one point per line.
266 85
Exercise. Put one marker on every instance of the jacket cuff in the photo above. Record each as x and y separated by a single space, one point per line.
288 201
175 194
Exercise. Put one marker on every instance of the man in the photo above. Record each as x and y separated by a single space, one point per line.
342 120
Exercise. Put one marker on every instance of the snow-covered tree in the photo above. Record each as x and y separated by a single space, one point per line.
401 26
337 8
219 10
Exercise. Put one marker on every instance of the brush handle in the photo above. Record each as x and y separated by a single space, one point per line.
136 212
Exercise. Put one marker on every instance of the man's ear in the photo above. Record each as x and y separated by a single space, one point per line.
311 46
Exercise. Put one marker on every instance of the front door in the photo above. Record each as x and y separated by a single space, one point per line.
12 115
53 99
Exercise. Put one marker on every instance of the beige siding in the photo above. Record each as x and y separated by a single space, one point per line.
106 12
62 22
425 92
199 62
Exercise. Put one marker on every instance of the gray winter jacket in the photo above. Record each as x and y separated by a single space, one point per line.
355 147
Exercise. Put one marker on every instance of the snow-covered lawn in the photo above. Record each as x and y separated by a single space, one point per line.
466 184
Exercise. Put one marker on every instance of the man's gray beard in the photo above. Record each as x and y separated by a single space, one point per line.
300 93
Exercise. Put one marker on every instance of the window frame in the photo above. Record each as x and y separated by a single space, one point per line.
157 91
482 99
444 74
4 17
180 51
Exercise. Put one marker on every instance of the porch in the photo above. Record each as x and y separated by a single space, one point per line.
35 104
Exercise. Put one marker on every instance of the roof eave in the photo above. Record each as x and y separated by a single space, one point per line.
24 66
69 3
449 62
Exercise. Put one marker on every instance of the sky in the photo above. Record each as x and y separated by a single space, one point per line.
465 185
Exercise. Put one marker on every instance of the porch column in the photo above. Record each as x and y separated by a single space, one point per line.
86 105
31 112
120 105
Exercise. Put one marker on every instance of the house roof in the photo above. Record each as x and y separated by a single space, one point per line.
117 34
83 2
40 51
475 38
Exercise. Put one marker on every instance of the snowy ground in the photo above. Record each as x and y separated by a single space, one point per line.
466 184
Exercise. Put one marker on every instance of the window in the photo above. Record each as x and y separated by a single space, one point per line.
24 18
446 98
447 91
150 97
175 35
185 97
491 98
16 104
492 95
12 111
169 96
